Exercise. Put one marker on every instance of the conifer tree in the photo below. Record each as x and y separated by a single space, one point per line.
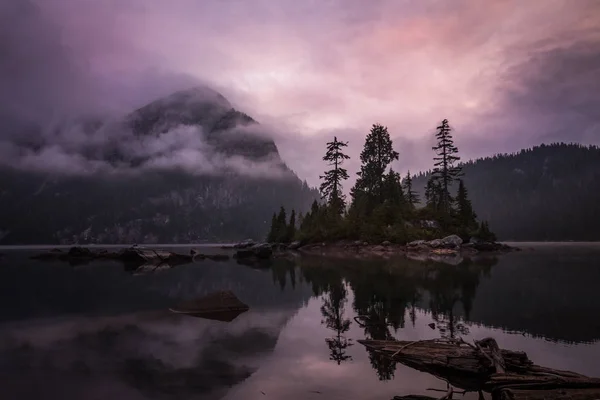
466 216
272 236
393 192
281 226
291 227
331 188
485 233
445 171
411 196
432 194
377 154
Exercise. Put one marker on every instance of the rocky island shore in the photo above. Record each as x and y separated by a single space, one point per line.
449 250
446 249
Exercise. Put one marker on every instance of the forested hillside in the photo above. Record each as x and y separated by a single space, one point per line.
549 192
184 169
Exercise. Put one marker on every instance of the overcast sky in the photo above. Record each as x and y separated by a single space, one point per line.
506 73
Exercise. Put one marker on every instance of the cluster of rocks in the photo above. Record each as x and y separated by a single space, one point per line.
249 252
133 257
454 243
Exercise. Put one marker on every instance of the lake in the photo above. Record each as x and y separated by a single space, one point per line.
97 331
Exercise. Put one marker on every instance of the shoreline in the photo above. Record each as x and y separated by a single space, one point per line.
348 250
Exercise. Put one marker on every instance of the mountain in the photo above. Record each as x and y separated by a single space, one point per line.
546 193
185 168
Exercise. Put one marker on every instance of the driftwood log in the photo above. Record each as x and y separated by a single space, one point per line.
479 359
484 366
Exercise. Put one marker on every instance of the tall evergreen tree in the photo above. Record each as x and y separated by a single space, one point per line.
445 171
331 188
411 196
377 154
393 193
291 228
272 236
464 209
432 194
281 226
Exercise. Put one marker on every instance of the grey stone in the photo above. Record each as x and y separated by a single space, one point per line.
295 245
435 243
452 241
244 244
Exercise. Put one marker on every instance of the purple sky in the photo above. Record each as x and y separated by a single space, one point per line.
506 73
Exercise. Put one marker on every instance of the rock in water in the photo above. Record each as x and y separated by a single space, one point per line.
80 252
295 245
435 243
452 241
245 244
261 251
221 306
416 243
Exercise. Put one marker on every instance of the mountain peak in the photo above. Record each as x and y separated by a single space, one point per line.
196 95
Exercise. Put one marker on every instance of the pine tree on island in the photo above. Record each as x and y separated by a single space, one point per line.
411 196
377 154
445 172
331 188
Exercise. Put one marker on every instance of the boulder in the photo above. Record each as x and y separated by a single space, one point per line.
221 306
416 243
244 244
435 243
452 241
490 246
358 243
262 251
80 252
295 245
386 243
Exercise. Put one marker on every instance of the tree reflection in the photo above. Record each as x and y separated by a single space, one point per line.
333 310
386 293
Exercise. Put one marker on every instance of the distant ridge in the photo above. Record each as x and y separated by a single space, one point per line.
545 193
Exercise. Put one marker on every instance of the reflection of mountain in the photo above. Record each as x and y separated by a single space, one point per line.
157 355
121 350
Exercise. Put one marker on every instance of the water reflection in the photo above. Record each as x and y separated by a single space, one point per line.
333 310
98 326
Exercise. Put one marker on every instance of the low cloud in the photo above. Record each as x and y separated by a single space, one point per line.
113 149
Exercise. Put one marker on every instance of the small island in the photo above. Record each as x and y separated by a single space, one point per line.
385 215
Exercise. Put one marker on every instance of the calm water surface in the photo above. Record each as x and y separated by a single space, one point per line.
96 331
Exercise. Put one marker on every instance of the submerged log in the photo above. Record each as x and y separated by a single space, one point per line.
556 394
547 380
